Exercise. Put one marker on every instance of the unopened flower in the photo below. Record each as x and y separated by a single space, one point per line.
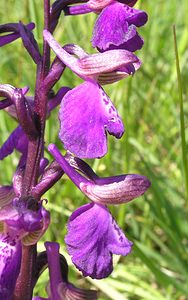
14 28
86 113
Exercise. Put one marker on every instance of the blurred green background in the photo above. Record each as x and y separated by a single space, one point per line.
150 106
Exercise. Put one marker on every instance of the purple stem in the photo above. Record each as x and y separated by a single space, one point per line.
24 286
73 175
24 282
36 146
46 49
54 74
52 174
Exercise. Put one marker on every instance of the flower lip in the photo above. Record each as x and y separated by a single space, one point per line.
86 136
91 244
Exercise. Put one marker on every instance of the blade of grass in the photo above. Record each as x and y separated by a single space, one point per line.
182 121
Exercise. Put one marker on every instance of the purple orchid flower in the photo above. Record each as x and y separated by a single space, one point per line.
85 136
26 219
91 244
121 33
18 224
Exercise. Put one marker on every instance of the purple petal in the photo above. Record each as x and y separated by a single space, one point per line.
108 61
41 221
93 236
6 195
56 100
110 190
121 32
85 115
135 16
10 261
69 291
17 140
18 177
77 10
21 216
120 73
116 189
134 43
97 5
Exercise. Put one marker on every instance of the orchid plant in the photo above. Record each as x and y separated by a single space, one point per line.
86 115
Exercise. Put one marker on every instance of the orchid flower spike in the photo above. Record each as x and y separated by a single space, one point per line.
91 244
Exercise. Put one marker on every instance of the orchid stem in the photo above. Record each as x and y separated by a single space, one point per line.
24 284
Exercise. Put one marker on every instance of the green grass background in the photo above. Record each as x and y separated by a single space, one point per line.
150 105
